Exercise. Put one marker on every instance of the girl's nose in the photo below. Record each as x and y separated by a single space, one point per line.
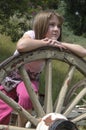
56 28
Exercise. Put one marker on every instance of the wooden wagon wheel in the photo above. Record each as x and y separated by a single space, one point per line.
60 105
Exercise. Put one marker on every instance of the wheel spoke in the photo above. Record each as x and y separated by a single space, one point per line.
78 118
63 90
48 87
18 108
75 101
33 96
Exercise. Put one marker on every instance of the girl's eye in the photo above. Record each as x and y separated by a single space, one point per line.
52 24
59 26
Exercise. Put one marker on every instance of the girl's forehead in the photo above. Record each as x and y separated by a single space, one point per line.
54 18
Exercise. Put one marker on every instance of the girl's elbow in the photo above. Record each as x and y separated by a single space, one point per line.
20 47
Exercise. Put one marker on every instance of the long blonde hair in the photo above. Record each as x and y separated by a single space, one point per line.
41 23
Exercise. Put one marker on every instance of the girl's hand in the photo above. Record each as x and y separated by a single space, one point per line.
54 43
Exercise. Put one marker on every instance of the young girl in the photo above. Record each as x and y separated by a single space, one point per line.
46 31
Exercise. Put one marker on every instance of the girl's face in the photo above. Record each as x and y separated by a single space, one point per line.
54 28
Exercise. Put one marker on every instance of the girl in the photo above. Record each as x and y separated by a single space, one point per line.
46 31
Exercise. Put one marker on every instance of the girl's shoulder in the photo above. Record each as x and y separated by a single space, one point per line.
31 33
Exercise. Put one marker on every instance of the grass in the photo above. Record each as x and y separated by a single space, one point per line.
82 128
68 36
7 47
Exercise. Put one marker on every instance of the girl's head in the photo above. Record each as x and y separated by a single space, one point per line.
47 24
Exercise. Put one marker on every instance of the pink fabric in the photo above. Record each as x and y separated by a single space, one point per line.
23 99
5 110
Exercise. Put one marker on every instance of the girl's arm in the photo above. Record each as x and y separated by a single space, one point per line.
77 49
26 43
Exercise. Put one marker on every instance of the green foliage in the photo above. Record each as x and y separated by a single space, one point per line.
16 15
82 127
68 36
9 7
14 18
46 4
76 16
17 25
7 47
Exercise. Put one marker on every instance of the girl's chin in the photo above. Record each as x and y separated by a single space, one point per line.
54 38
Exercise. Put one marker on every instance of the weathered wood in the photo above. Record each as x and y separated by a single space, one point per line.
73 90
75 101
18 108
63 90
82 116
5 127
42 53
48 107
48 54
33 96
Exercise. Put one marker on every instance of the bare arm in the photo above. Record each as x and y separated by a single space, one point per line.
75 48
26 43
